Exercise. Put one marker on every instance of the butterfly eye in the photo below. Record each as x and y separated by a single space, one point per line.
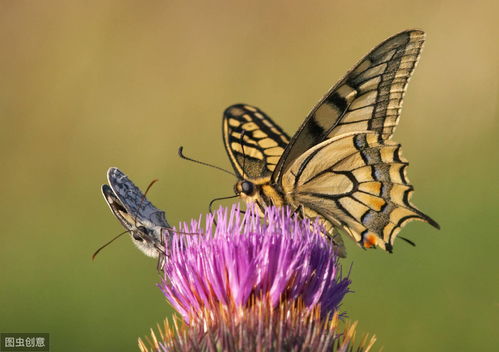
247 188
137 237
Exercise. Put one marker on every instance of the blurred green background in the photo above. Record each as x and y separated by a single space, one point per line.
89 85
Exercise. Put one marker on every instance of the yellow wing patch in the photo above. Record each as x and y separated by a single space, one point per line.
253 142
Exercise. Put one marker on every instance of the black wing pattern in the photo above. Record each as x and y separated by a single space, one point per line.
368 98
253 141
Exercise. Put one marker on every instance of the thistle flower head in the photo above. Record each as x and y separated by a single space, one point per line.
239 260
289 327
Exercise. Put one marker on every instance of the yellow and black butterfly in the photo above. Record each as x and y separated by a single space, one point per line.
340 165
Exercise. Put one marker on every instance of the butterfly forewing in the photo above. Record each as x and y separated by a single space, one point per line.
252 140
138 215
358 182
368 98
134 201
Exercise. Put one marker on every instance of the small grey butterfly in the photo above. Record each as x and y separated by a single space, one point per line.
145 223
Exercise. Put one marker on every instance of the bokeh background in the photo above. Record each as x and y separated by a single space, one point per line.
93 84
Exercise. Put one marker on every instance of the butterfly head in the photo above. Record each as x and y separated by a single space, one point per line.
259 191
148 237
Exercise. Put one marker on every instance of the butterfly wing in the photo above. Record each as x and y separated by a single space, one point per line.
130 206
368 98
124 217
134 201
253 141
358 183
370 201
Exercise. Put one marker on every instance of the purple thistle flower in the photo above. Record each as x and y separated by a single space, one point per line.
241 259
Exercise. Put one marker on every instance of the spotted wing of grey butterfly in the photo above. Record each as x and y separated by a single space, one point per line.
144 221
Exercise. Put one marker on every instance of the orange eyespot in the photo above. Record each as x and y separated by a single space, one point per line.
370 241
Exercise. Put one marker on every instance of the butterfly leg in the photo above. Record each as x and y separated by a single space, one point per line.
335 237
161 263
300 210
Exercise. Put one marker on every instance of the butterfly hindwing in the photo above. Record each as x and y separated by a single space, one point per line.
253 141
359 183
117 208
368 98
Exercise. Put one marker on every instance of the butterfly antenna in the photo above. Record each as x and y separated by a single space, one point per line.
181 154
144 196
150 185
107 244
167 228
